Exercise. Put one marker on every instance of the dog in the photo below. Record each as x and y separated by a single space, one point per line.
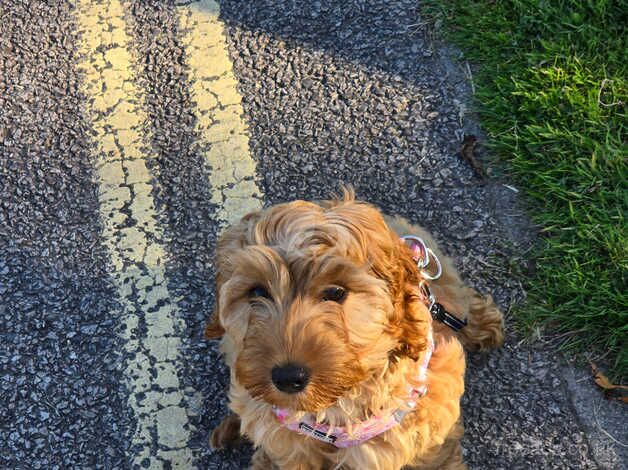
344 341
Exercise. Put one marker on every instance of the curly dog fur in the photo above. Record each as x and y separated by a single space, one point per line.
362 352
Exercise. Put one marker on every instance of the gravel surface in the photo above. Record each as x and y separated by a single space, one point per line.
183 196
334 92
60 382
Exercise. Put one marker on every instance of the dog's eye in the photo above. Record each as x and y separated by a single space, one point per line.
259 291
335 294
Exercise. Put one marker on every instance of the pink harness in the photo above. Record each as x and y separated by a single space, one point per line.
382 422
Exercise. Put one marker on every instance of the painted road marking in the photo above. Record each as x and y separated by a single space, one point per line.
222 130
149 317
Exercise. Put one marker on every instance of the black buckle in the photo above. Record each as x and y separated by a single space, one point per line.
440 314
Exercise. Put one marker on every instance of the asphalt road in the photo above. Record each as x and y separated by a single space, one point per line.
332 92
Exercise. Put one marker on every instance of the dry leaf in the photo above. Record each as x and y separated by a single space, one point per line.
611 390
467 153
603 381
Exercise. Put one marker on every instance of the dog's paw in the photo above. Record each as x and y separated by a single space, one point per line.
261 461
227 433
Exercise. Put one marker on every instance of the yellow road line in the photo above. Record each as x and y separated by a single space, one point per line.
220 126
133 237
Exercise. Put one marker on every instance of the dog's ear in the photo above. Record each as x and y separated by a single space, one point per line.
390 260
411 317
213 329
413 331
235 237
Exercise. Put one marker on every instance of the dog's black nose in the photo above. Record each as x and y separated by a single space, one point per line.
290 378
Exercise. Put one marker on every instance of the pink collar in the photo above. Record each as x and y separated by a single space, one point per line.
365 430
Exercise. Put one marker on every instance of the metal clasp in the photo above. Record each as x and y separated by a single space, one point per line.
423 255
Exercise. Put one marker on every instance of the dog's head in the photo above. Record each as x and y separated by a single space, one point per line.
313 299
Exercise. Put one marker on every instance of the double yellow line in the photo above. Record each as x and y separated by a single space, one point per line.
131 231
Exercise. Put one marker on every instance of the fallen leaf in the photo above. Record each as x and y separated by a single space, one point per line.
467 153
611 390
603 381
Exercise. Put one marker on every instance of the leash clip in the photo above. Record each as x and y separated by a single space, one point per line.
439 313
423 256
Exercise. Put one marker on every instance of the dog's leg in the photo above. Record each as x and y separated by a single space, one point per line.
455 460
227 433
485 323
448 456
452 450
261 461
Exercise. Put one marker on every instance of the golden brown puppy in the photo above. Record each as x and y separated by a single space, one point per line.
328 337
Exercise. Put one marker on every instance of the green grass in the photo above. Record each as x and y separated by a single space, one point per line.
551 90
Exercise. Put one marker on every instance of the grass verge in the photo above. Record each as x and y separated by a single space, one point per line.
551 90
